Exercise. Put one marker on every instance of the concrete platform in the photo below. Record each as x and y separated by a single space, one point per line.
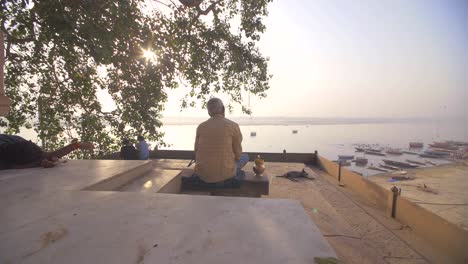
73 175
48 216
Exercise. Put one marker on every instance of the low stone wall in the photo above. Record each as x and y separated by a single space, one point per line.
307 158
447 237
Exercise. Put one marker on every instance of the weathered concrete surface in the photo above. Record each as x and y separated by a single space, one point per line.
355 235
46 217
152 181
72 175
123 227
446 192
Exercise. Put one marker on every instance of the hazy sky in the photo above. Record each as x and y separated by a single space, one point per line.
353 58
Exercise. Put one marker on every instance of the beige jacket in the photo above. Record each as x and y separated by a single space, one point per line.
217 149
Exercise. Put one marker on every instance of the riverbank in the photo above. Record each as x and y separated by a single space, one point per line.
442 190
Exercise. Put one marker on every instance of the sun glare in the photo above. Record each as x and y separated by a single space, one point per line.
149 55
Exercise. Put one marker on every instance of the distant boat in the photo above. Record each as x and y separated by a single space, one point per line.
432 156
373 150
400 164
357 172
253 134
377 169
441 150
361 161
457 143
440 144
367 149
294 131
436 153
345 157
415 162
389 167
394 152
416 145
410 152
374 153
444 146
430 162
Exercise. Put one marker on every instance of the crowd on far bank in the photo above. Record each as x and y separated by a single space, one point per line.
139 151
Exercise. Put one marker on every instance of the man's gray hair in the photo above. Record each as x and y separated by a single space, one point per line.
215 106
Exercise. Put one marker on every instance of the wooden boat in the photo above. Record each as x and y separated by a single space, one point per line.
357 172
359 149
253 134
400 164
377 169
361 161
410 152
394 152
457 143
416 145
446 147
374 150
345 157
444 150
432 156
415 162
436 153
294 131
439 144
390 167
374 153
430 162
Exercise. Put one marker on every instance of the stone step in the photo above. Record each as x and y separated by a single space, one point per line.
155 181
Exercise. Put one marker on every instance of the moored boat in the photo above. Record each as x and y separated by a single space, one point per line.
444 150
416 145
390 167
400 164
410 152
437 153
457 143
345 157
440 144
432 156
415 162
374 153
377 169
394 152
294 131
373 150
253 134
443 146
361 161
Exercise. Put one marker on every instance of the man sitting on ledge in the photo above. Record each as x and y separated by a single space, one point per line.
218 151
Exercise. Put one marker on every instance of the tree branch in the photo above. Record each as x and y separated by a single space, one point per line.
208 9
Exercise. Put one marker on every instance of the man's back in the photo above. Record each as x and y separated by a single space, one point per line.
217 149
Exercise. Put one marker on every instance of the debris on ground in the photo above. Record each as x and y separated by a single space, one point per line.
427 189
